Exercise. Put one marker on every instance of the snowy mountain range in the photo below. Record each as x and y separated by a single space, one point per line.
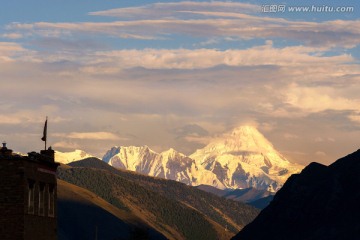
68 157
242 158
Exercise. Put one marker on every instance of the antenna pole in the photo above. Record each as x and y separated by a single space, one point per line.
46 132
44 138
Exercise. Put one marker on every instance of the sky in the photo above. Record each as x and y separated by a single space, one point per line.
176 74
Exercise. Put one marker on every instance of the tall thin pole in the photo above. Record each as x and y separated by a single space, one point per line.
44 138
46 131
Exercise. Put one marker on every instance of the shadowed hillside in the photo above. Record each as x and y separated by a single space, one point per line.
319 203
174 209
82 215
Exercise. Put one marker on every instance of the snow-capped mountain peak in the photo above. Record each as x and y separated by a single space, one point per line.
244 138
109 154
241 158
171 153
68 157
245 158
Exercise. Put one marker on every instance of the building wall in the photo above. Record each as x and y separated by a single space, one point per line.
16 221
11 199
44 224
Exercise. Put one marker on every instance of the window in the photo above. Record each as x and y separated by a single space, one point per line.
51 199
31 195
41 199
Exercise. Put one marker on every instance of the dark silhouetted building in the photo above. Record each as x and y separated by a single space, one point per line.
27 195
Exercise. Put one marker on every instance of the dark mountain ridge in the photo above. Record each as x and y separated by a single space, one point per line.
322 202
176 210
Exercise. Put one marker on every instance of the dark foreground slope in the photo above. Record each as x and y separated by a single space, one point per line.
84 215
174 209
319 203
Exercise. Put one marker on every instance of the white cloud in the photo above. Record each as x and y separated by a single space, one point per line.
142 93
12 35
200 140
93 135
175 9
9 50
290 136
355 118
66 145
299 58
15 117
320 139
289 79
202 19
207 58
6 119
320 154
318 99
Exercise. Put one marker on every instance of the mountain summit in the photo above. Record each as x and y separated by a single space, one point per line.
242 158
68 157
244 138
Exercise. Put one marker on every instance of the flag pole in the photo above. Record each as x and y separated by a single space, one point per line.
46 132
44 138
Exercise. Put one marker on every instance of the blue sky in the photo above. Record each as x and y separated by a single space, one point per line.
177 73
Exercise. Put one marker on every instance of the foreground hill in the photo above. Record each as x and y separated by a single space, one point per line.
320 203
83 214
174 209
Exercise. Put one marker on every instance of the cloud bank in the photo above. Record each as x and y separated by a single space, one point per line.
296 80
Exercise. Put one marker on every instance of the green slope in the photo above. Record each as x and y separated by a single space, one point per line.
176 210
83 214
